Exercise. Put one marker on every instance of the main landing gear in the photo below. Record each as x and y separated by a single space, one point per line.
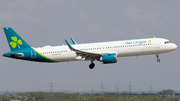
92 65
158 60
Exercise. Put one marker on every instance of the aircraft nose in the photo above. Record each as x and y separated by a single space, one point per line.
174 46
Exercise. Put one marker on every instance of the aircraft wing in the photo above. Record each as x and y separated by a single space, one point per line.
73 41
85 54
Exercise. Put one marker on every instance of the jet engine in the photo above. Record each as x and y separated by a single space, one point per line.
109 58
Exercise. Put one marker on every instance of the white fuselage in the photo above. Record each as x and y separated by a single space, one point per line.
121 48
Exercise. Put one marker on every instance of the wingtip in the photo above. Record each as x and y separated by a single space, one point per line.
73 41
68 44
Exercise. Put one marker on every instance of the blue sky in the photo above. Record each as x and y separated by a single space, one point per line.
50 22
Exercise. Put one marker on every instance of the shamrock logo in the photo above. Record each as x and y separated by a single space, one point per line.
15 42
149 41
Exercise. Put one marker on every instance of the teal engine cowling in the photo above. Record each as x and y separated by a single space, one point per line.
109 58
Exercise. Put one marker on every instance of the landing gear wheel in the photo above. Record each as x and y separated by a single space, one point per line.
92 65
158 60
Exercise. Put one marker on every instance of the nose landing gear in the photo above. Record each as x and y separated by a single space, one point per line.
158 60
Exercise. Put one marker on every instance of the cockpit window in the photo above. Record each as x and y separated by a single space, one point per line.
166 42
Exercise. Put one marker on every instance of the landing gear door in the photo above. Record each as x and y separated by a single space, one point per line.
33 54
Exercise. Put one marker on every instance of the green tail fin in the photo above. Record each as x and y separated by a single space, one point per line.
14 40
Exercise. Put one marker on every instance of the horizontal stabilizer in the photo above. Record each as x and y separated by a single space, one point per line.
13 54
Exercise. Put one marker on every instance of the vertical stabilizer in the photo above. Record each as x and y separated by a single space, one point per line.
14 40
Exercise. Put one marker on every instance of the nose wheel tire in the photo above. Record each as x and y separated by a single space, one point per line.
158 60
92 65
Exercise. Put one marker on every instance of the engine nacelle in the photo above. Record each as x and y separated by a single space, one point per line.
109 58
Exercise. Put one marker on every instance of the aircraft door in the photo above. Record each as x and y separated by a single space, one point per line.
157 45
33 54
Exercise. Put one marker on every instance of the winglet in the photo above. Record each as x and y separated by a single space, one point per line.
68 44
74 42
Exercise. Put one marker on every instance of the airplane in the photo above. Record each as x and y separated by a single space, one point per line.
105 52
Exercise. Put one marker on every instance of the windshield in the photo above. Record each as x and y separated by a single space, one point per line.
166 42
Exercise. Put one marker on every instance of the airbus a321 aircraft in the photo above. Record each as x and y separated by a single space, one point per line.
105 52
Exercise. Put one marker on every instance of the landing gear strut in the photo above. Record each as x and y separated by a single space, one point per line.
92 65
158 60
